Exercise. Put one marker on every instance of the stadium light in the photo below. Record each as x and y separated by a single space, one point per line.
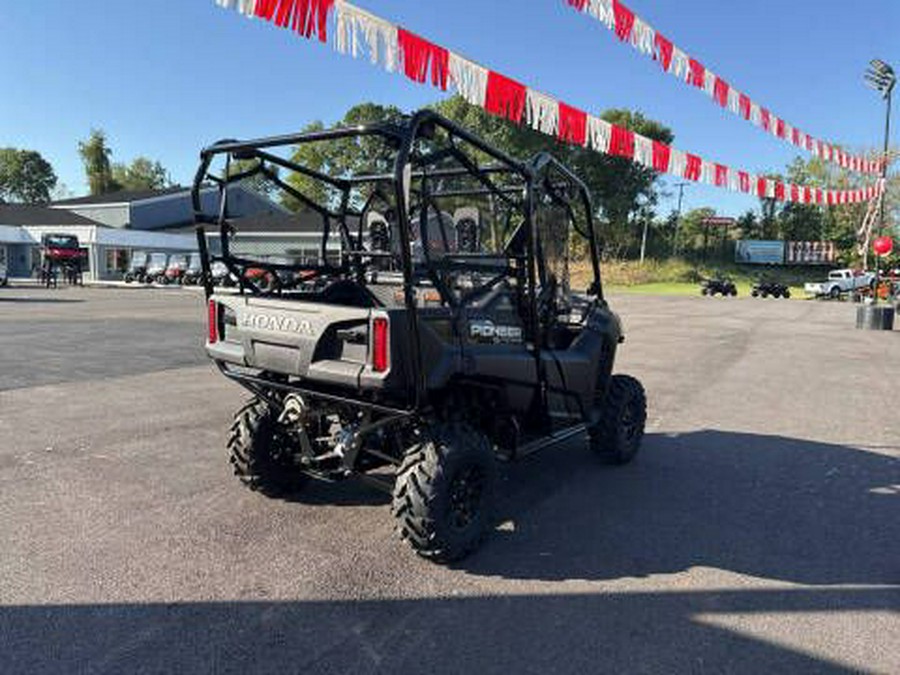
881 77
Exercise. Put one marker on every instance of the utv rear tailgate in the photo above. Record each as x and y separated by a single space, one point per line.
326 343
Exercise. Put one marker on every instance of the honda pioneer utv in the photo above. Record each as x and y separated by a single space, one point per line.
417 324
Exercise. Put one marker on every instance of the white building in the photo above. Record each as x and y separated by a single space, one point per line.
111 227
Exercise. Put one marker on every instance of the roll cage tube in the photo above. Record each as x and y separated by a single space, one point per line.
254 149
403 158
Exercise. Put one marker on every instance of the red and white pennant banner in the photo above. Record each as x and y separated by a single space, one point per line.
632 29
361 33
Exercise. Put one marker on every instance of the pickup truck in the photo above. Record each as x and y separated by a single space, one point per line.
840 282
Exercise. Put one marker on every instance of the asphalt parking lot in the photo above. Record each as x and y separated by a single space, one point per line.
758 531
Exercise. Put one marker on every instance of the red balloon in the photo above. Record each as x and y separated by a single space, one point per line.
883 245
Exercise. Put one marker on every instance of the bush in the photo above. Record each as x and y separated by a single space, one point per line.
632 273
677 270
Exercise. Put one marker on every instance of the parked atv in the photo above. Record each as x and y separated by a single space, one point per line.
175 270
156 268
763 289
417 373
137 267
193 274
220 275
718 286
261 278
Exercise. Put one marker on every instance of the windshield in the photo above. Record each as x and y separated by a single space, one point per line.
60 241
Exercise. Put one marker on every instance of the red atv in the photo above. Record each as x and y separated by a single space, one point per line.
175 270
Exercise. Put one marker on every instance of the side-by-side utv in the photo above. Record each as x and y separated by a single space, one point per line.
157 263
137 267
193 274
430 332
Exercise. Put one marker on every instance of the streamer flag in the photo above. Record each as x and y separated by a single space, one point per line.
361 33
632 29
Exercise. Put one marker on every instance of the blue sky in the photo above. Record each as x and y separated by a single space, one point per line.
165 77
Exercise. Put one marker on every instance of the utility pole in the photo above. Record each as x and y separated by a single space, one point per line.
644 237
881 77
680 187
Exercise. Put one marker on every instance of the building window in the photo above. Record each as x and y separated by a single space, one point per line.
117 260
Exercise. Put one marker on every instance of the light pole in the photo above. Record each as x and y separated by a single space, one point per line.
881 77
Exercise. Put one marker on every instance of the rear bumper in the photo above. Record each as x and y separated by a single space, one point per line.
262 386
226 352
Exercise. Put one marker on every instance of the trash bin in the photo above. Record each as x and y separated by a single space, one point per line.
875 317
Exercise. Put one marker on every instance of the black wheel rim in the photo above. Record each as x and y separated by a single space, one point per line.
630 424
466 493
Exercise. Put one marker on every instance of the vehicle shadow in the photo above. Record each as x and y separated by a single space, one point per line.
312 492
766 506
657 632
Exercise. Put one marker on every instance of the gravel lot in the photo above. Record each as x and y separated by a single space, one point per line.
758 531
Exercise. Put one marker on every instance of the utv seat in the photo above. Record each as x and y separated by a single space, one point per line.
347 293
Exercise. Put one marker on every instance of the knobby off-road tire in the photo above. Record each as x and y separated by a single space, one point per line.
619 431
259 453
444 492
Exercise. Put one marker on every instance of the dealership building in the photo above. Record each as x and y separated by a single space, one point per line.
111 227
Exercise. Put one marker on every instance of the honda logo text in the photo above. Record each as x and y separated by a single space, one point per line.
277 323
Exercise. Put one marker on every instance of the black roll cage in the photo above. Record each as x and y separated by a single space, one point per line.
542 175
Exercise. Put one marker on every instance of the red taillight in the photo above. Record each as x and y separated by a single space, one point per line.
380 339
213 322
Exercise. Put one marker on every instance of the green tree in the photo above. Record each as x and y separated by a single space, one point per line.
25 176
749 227
769 209
620 187
316 156
624 193
141 174
693 232
257 182
341 157
95 154
802 222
